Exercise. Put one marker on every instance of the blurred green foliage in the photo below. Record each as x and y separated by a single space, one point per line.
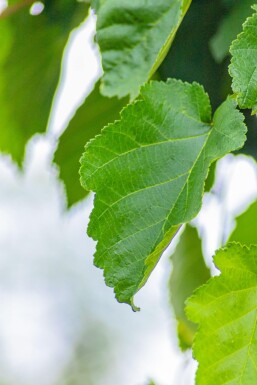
30 62
95 113
189 271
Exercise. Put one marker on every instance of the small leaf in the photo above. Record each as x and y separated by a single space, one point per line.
246 231
148 172
134 37
225 309
188 273
96 112
243 67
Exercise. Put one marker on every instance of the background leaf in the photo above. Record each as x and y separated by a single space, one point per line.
30 59
229 28
95 113
245 231
188 273
148 172
134 38
243 67
225 309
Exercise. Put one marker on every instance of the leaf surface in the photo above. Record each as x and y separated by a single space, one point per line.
96 112
245 231
226 310
243 67
30 60
148 172
134 37
188 273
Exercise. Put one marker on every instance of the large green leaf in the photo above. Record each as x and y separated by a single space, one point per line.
30 59
96 112
188 273
243 67
148 172
134 37
245 231
226 310
229 28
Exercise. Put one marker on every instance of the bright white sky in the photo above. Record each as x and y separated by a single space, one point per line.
49 290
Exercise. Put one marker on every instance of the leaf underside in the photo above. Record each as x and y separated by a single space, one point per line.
226 311
243 67
134 37
148 172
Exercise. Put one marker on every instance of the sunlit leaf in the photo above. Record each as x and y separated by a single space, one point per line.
226 309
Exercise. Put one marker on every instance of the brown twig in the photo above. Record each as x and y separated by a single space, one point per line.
11 9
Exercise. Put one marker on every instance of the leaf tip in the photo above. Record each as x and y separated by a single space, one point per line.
133 306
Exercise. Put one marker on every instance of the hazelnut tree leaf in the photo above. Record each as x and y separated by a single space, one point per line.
148 172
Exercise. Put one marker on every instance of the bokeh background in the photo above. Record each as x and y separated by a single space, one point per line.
59 323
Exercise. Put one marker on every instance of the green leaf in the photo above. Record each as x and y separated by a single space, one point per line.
134 37
225 309
30 60
188 273
243 67
96 112
148 172
245 231
229 28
